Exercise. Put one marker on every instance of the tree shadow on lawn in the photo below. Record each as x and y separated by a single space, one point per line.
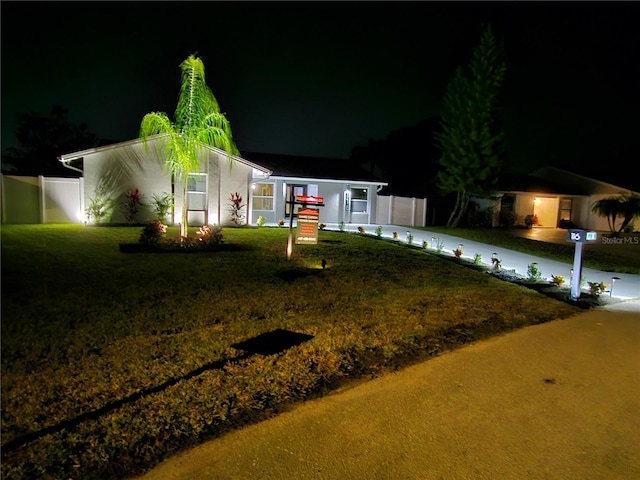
269 343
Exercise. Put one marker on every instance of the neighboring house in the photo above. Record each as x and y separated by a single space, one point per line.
112 170
349 192
558 198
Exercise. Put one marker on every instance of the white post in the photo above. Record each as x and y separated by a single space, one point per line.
577 272
390 216
413 211
41 192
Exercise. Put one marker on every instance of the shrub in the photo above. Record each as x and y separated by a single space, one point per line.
533 272
477 259
597 288
528 221
153 232
99 208
132 204
341 226
360 230
458 252
260 221
236 207
379 231
508 219
425 244
281 222
439 246
209 236
395 235
162 205
557 280
496 262
409 238
322 226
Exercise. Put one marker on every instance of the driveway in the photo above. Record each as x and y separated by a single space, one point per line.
557 401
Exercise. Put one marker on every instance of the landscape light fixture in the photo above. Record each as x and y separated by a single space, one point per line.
613 280
433 240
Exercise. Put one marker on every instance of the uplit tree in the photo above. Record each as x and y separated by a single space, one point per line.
198 122
470 140
625 205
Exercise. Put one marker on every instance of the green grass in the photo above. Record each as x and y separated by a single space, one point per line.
625 260
114 361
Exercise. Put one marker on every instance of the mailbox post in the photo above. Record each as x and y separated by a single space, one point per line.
579 237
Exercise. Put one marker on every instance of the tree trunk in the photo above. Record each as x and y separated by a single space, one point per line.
183 216
454 212
462 208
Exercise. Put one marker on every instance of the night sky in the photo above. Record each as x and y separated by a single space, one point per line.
317 79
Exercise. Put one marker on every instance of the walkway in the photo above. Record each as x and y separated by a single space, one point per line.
627 287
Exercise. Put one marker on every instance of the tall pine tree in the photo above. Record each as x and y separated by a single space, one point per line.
470 140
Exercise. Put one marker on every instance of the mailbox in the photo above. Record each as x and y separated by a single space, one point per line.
581 236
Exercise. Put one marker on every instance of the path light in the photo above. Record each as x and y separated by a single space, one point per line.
460 246
433 240
571 277
613 280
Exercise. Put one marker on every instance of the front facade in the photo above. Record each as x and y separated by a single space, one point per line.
108 173
557 198
351 199
111 171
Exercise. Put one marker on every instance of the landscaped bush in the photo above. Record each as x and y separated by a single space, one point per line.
132 204
113 362
162 205
152 233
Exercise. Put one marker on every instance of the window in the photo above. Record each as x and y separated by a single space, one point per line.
565 209
263 196
359 200
197 191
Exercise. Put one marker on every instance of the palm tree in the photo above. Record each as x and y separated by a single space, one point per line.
198 122
625 205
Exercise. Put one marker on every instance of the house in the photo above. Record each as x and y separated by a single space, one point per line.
349 192
559 198
111 171
265 182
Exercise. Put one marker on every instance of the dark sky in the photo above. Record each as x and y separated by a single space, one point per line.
317 79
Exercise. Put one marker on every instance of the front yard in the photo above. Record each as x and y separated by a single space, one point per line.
112 361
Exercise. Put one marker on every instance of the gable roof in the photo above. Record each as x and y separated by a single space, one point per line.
554 180
69 157
313 167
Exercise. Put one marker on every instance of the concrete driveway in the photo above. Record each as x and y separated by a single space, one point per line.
559 400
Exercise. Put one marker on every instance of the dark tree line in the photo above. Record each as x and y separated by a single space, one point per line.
42 139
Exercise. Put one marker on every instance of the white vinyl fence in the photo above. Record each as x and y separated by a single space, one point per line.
392 210
41 199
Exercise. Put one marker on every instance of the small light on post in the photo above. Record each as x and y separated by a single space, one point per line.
613 281
433 240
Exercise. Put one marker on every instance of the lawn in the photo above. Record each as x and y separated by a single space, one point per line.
113 361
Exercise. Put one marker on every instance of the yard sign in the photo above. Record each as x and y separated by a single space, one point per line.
307 233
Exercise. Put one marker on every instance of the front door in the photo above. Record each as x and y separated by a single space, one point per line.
291 192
